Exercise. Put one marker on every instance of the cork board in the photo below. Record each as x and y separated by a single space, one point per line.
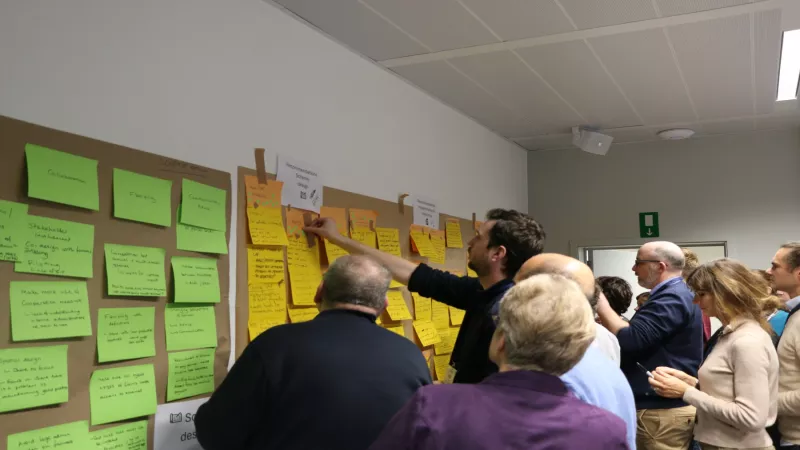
389 216
82 352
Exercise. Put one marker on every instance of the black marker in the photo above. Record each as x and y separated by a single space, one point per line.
644 369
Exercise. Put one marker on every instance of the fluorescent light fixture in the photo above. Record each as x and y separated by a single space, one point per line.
790 66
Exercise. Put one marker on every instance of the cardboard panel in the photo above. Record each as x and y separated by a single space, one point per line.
82 352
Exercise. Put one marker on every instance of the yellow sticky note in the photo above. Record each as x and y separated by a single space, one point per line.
360 219
471 273
365 237
334 252
397 309
456 315
378 320
441 364
258 194
478 225
423 243
267 302
297 315
453 230
422 307
264 265
440 314
395 284
447 342
304 271
266 226
257 327
397 329
426 332
438 244
389 241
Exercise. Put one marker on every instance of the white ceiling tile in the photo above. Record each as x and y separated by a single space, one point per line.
599 13
439 24
356 26
715 59
519 19
778 122
727 126
547 142
632 134
643 66
573 71
677 7
767 35
509 79
444 82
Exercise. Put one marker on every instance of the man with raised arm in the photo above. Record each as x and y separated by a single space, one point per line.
504 241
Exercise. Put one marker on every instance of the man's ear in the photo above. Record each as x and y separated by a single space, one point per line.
499 253
320 293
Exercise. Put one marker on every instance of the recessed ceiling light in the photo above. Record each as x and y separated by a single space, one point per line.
790 66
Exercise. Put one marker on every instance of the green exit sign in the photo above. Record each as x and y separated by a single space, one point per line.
648 224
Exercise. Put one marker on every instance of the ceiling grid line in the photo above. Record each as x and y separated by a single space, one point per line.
390 22
614 82
566 14
656 8
488 92
480 21
549 86
680 73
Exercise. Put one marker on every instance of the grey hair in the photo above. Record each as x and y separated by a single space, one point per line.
356 280
670 254
546 323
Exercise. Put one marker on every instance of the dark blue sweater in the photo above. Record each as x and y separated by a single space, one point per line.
666 331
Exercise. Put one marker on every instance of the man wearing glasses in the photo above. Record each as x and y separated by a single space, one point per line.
666 331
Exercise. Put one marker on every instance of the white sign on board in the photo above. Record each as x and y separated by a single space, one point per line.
426 213
174 427
302 184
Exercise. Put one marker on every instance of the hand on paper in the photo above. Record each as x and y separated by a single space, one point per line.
324 227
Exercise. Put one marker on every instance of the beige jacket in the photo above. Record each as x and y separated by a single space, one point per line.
739 382
789 385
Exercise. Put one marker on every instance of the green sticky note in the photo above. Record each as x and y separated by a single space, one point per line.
122 393
13 221
70 436
132 436
62 177
135 271
203 206
190 373
196 280
49 310
142 198
125 333
196 239
57 247
32 377
189 327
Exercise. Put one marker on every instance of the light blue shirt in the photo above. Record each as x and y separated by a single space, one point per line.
791 304
597 381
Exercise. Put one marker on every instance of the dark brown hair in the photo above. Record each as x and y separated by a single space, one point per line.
521 235
793 256
617 291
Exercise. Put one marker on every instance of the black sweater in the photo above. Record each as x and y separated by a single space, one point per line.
471 352
331 383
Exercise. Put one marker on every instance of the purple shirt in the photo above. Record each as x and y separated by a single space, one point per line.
508 410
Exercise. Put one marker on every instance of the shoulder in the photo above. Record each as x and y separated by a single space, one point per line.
600 423
751 338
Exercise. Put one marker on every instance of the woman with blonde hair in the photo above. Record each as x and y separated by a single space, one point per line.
774 315
737 391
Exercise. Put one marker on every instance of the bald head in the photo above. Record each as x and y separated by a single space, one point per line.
667 252
553 263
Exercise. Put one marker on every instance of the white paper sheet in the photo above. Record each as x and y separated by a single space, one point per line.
174 427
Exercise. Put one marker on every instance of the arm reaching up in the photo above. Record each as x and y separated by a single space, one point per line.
325 227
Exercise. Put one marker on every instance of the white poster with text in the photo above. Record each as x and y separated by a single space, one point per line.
174 427
302 184
426 213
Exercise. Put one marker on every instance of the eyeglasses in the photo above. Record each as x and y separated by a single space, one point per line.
639 261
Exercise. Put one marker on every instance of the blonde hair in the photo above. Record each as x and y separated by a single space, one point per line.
737 292
691 262
772 302
547 324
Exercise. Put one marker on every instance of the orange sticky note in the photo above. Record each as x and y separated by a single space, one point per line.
456 315
397 309
453 230
295 222
297 315
266 226
422 242
422 307
258 194
426 333
339 215
397 329
360 219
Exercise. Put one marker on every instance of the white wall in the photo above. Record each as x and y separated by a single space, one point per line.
742 189
206 81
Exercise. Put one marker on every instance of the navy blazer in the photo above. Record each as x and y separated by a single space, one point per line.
666 331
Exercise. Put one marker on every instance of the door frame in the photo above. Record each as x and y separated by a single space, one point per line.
585 252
